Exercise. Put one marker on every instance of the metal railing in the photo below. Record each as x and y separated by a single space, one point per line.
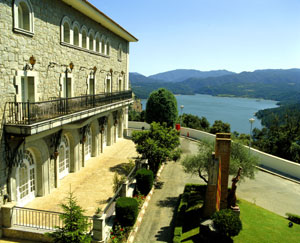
27 113
110 207
40 219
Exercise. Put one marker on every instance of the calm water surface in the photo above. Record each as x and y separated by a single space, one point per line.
235 111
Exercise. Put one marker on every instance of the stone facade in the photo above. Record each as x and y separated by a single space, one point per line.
52 58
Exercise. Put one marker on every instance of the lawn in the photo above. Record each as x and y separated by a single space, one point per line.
260 225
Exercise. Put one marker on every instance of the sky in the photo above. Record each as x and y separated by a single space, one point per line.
236 35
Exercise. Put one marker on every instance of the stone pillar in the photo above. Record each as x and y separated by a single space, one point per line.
124 189
99 228
7 215
211 191
223 143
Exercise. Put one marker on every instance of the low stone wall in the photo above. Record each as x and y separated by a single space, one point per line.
282 166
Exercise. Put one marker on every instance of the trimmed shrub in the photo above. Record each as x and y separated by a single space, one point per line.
126 211
144 181
227 222
293 217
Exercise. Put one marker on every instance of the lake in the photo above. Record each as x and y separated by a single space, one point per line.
235 111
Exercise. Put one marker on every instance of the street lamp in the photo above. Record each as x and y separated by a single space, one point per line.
181 108
251 120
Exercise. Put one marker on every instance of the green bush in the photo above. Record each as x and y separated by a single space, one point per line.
227 222
144 181
126 211
293 217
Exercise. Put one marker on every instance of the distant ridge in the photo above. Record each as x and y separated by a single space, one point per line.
275 84
180 75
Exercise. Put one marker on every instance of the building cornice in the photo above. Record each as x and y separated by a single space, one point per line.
92 12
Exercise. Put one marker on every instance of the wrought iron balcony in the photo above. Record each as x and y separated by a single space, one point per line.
29 114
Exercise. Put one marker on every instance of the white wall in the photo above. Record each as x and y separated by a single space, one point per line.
268 161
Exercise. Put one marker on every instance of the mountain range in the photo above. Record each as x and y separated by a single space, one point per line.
276 84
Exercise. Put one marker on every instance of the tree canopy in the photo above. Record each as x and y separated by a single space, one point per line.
157 144
239 157
161 107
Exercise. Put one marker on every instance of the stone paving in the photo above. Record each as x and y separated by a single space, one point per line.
92 185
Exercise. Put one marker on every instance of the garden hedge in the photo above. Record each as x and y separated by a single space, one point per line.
144 181
126 211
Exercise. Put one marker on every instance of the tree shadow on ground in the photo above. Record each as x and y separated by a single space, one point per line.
169 202
103 201
165 234
120 169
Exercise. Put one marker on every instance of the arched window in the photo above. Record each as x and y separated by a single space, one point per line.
65 30
84 37
120 50
91 40
64 157
26 179
107 48
88 145
103 45
97 42
23 16
75 28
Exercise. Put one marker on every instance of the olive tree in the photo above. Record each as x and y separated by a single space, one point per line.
198 164
162 107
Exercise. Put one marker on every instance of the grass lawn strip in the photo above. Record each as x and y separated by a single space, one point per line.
261 225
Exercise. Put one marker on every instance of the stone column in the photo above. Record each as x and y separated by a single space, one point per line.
211 191
223 143
7 215
124 189
99 228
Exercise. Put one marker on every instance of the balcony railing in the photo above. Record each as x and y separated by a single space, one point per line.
40 219
27 113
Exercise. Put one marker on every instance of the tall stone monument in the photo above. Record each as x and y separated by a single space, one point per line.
222 151
218 170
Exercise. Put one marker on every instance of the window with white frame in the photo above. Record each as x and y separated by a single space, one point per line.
91 40
97 42
75 28
65 29
66 85
84 37
23 16
120 50
102 46
64 157
26 83
107 48
26 179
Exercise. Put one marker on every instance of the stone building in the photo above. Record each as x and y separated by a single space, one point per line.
64 91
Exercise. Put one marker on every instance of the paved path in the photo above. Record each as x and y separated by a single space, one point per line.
271 192
156 225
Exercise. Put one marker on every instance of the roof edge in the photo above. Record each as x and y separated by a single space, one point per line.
94 13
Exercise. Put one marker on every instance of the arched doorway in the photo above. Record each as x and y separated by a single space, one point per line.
88 145
64 158
26 174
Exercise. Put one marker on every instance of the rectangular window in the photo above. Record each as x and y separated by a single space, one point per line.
27 89
91 86
67 88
